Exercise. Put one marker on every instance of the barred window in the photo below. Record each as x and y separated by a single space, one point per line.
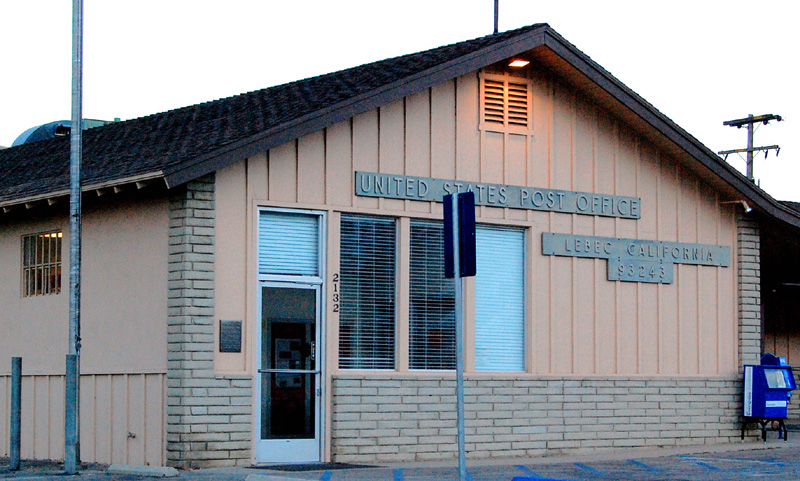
41 264
367 316
432 324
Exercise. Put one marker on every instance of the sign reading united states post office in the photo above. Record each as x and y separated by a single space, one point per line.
371 184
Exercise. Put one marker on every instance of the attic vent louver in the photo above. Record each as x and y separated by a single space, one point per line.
505 103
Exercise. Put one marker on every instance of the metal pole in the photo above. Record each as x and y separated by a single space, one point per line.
750 174
16 412
496 15
459 295
71 408
71 416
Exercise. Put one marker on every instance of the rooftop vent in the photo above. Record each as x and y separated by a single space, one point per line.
59 128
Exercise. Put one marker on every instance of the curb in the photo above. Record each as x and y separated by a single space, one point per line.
269 477
149 471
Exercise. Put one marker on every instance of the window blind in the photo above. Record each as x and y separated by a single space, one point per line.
432 334
367 316
500 299
288 243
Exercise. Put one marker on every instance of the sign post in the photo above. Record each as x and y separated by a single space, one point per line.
459 262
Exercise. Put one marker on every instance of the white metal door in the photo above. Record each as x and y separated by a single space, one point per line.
288 387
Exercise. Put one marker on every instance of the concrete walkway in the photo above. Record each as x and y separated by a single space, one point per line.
776 460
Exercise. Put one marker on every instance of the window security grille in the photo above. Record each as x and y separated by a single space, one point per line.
41 264
432 334
367 268
500 299
506 103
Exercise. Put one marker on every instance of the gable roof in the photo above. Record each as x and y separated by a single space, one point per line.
186 143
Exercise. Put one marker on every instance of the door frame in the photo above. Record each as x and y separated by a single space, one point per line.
293 281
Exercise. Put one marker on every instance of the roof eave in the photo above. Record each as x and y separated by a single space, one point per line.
668 128
542 36
100 188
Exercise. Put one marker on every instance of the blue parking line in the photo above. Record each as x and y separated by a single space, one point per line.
326 476
641 464
398 475
590 469
527 471
700 463
780 464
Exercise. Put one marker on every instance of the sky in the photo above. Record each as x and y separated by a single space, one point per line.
699 62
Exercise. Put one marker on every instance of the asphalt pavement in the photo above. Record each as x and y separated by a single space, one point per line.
774 460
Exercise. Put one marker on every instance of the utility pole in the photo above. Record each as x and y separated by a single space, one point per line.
749 121
73 370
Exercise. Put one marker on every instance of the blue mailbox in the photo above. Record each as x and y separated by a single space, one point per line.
767 391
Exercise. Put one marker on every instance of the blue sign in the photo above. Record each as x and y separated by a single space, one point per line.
466 235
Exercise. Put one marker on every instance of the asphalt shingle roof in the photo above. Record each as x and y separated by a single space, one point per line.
185 143
159 142
791 205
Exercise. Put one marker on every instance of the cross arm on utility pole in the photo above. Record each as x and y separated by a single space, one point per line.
754 149
752 120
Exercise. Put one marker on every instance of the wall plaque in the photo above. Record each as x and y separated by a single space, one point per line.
230 336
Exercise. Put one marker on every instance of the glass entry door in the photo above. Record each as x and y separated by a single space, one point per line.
288 426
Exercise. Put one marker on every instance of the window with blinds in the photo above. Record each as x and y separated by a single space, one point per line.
500 299
367 312
288 243
505 103
432 336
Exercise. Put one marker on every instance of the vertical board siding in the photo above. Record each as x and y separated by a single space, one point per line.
365 152
230 264
122 418
282 173
784 344
467 134
311 168
338 164
391 146
578 321
443 130
418 153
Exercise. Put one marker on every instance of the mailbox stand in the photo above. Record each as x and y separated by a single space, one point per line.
763 422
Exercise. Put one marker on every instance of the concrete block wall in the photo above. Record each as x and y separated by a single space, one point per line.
749 282
406 419
209 416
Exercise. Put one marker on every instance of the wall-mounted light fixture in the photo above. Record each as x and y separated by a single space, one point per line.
744 204
518 62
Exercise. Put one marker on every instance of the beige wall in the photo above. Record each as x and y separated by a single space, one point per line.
579 323
124 329
785 344
122 420
124 285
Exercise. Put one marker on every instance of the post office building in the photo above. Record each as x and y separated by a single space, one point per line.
262 275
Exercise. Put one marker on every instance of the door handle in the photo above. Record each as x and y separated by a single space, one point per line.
288 371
